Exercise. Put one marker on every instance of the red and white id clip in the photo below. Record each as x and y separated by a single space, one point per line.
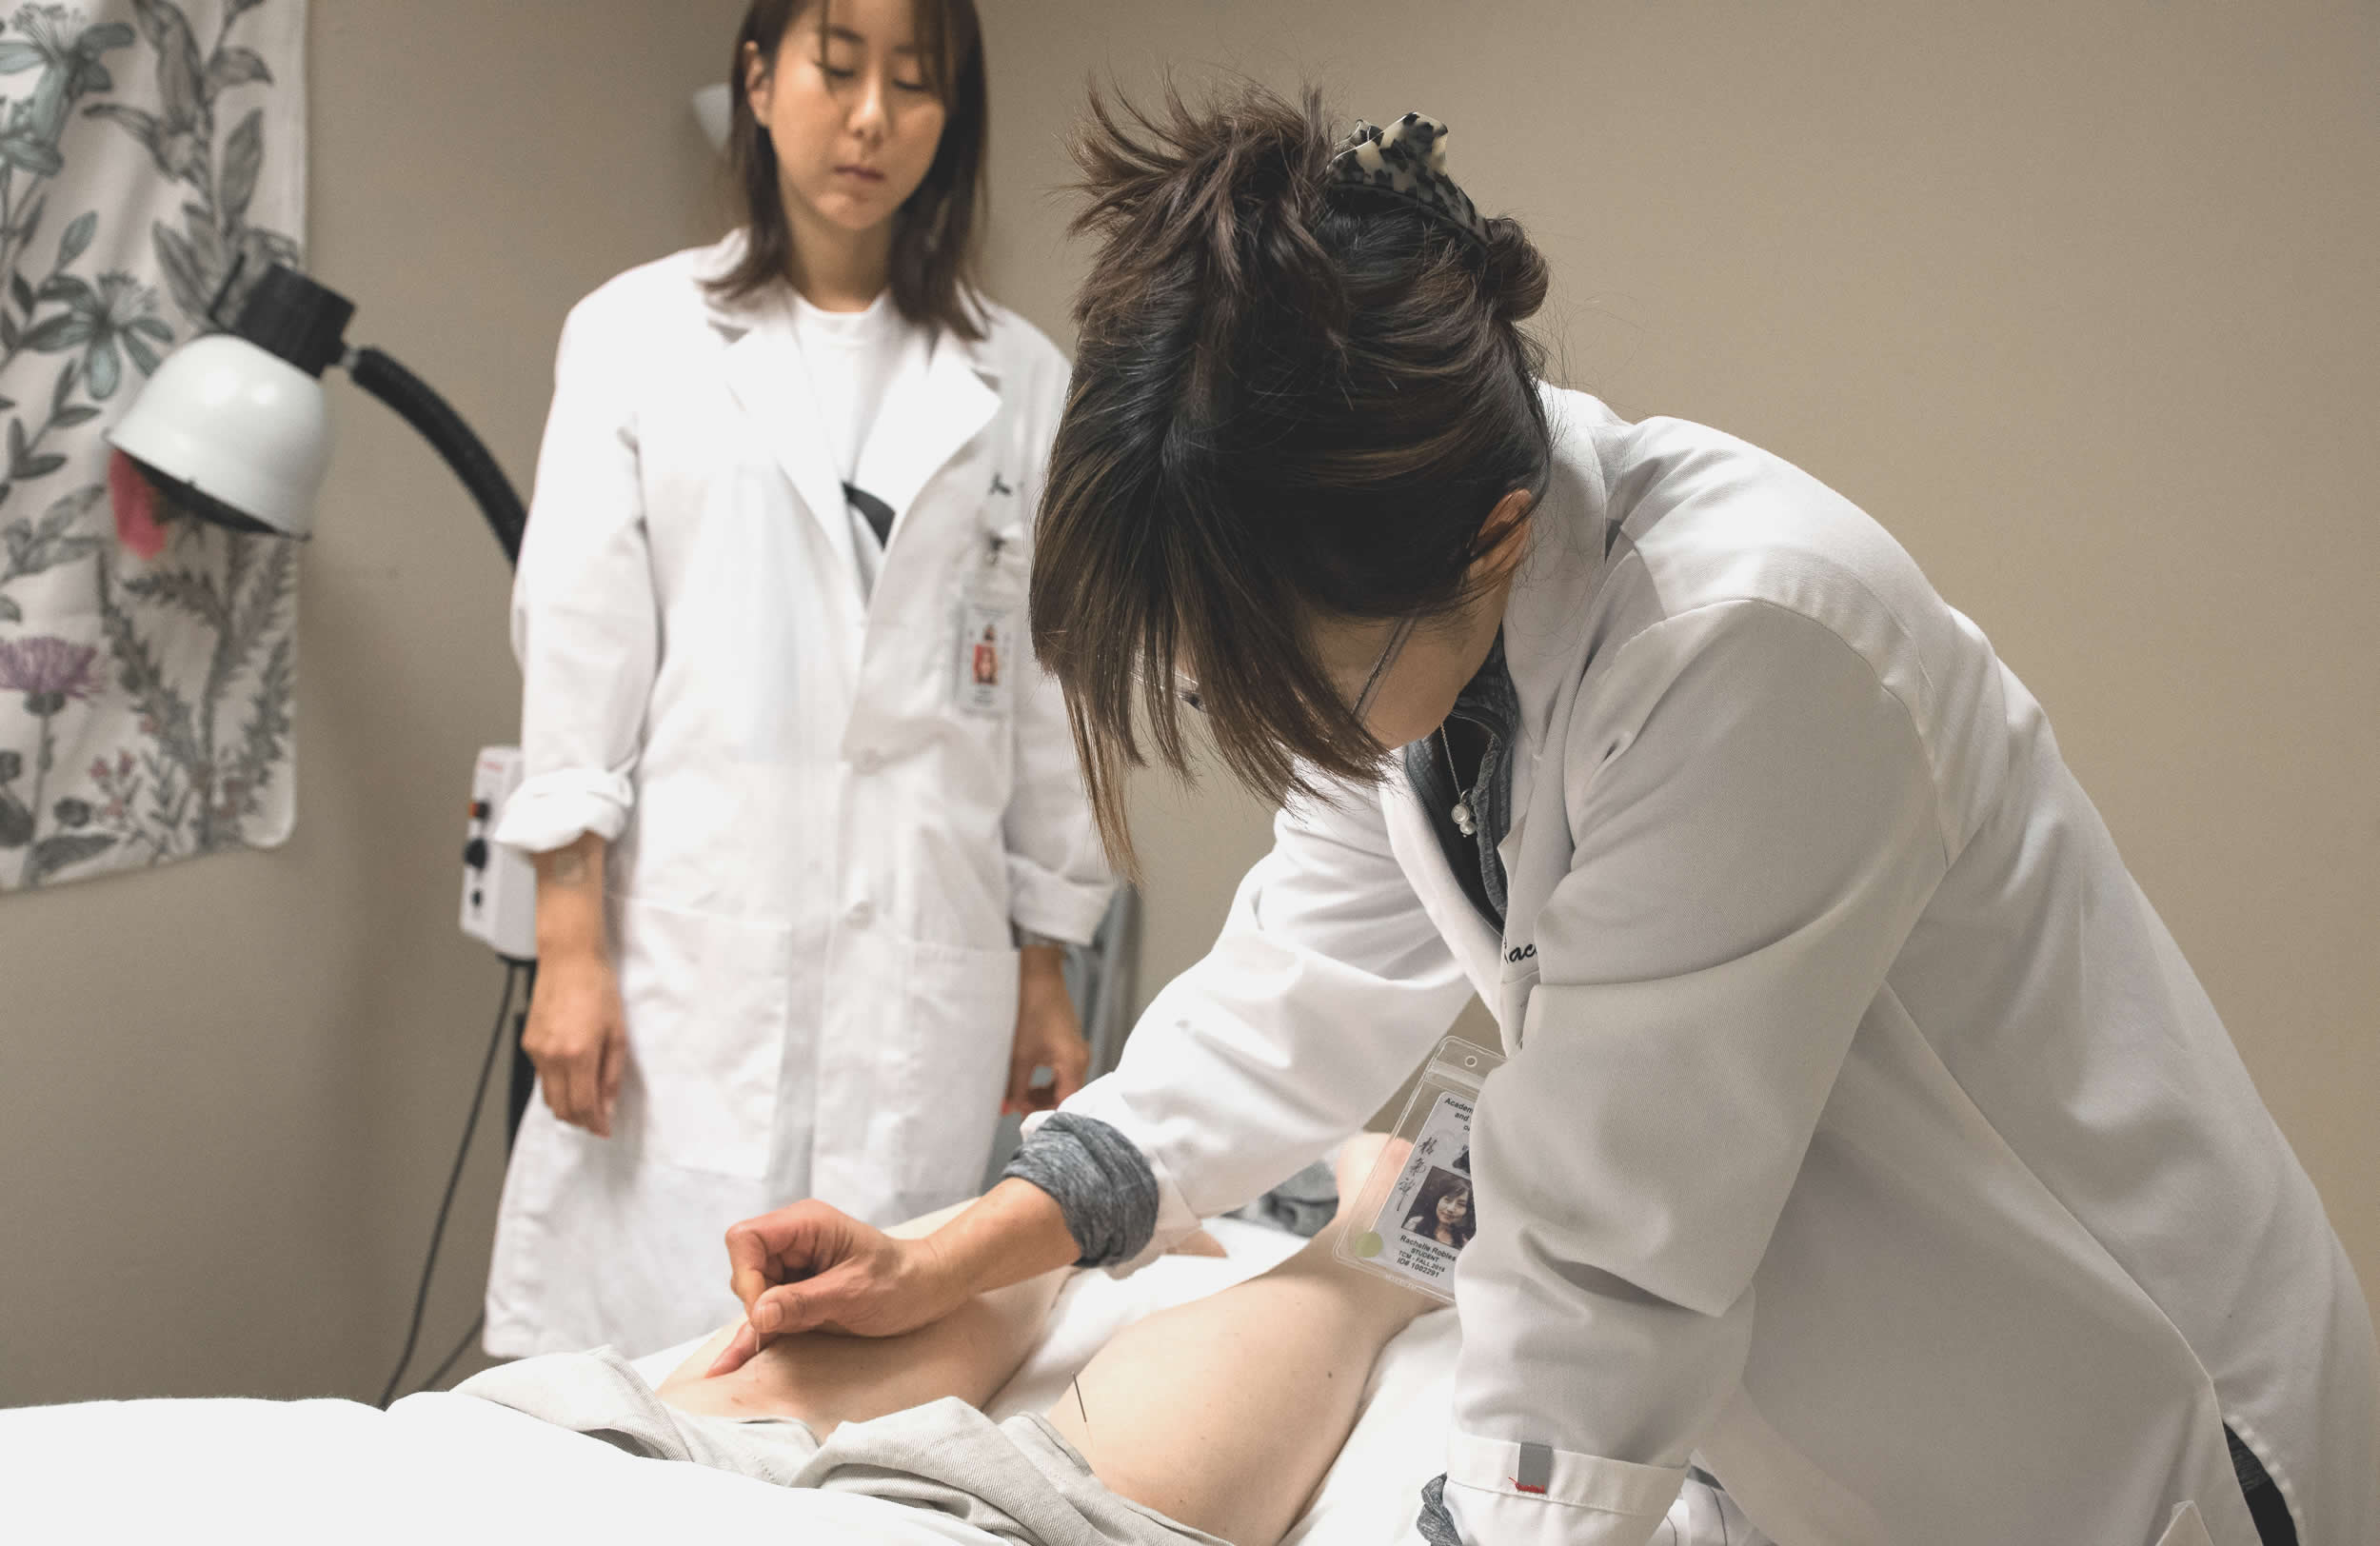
988 601
1417 1210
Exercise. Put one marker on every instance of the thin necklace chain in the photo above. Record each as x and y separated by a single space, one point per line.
1465 822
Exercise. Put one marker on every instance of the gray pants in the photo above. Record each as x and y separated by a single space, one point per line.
1017 1480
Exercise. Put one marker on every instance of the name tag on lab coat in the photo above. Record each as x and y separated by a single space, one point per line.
987 631
987 641
1418 1200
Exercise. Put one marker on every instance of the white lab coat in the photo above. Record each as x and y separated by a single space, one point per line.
822 826
1863 1129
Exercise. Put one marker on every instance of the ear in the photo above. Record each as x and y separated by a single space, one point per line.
758 81
1503 537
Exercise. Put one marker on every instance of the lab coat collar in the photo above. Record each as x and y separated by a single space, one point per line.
1545 617
940 397
944 392
733 319
764 372
1545 614
1544 638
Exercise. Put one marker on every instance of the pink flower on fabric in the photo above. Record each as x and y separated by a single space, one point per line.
136 507
46 667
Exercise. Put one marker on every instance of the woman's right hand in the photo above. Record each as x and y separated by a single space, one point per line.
811 1267
578 1038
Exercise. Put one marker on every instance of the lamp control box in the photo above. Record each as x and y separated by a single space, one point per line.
498 884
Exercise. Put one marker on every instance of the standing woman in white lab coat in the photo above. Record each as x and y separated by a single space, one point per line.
1863 1138
808 830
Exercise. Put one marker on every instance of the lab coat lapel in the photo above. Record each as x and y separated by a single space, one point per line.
1418 855
1545 615
939 400
1544 625
1548 635
768 377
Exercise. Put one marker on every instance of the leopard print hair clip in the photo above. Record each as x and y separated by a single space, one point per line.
1407 159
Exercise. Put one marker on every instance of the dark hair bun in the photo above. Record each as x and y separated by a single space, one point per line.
1212 209
1227 210
1516 277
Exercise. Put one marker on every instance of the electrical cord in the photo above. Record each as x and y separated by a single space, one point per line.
460 1348
454 1176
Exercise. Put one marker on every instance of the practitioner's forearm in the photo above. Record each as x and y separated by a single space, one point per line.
575 1033
1014 1232
570 902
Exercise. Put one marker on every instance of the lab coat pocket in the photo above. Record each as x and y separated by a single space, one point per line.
961 1019
704 998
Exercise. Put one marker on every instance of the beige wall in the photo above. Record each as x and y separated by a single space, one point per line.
2077 303
229 1091
2077 300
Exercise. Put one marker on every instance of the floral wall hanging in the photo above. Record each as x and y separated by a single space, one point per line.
151 153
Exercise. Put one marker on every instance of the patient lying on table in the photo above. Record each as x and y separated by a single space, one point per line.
1215 1419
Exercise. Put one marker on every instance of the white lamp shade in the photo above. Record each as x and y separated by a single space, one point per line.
712 109
237 424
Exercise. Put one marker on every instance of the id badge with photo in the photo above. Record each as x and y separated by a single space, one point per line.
986 640
1417 1210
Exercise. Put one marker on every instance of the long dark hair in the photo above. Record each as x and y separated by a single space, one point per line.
934 231
1290 403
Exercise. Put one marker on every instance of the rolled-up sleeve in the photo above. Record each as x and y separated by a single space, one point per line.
1058 879
1755 831
1326 988
1100 1181
585 621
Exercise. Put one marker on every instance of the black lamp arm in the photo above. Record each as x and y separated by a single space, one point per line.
422 407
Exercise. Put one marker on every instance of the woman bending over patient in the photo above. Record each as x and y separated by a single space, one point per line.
1216 1419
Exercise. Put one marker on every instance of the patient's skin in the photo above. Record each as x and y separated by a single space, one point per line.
827 1379
1223 1413
1226 1413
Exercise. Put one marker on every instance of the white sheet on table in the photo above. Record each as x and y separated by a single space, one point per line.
434 1469
452 1470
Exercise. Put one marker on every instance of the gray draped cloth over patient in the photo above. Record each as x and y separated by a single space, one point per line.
1017 1480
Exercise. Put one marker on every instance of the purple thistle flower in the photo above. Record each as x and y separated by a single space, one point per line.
48 668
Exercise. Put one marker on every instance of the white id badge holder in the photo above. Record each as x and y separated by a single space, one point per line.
986 635
1417 1212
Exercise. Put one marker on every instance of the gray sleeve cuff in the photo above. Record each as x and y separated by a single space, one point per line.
1436 1524
1100 1181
